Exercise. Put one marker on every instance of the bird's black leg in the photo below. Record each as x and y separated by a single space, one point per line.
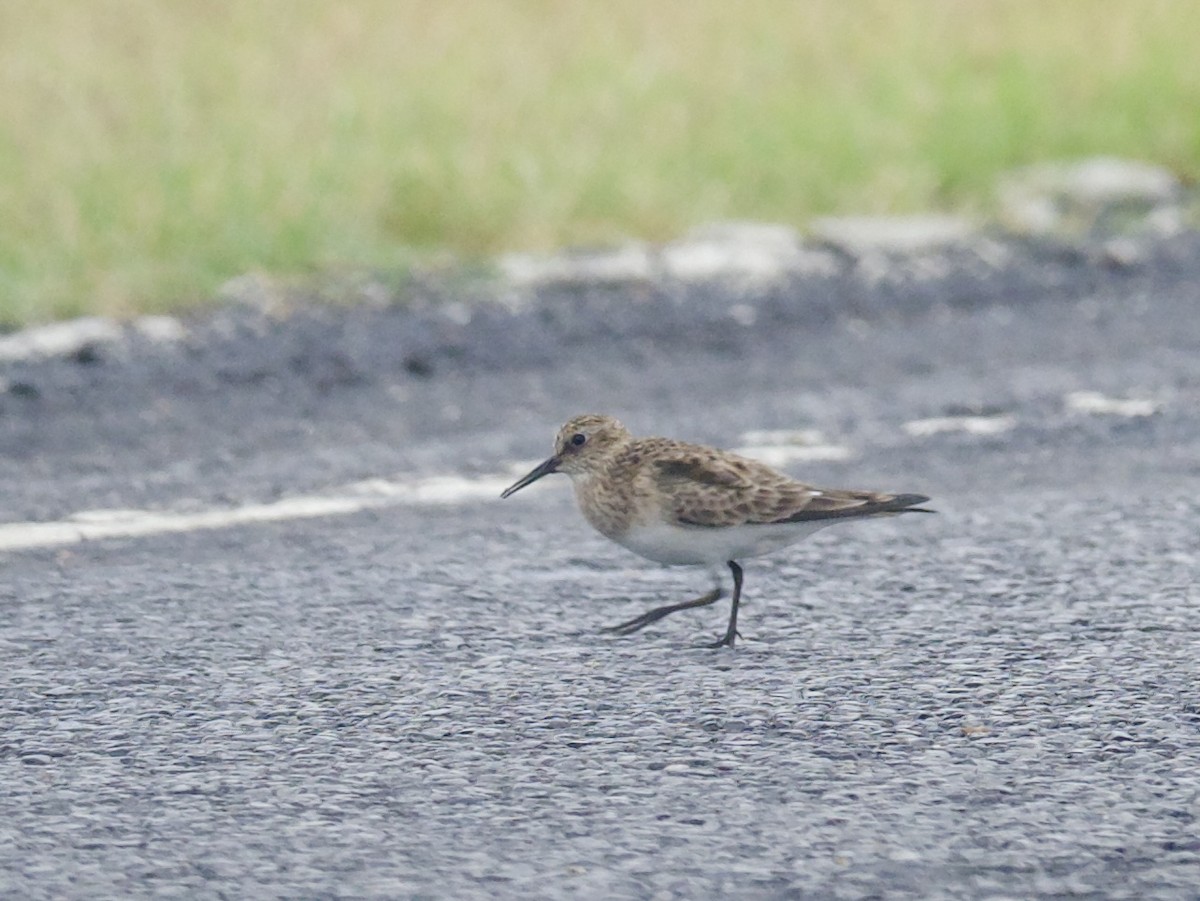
732 633
653 616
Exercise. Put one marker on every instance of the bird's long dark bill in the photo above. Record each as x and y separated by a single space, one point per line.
536 473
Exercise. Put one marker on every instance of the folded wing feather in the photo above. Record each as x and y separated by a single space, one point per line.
707 490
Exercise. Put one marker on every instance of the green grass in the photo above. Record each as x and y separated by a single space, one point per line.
151 149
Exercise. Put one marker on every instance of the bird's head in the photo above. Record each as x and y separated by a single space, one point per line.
581 447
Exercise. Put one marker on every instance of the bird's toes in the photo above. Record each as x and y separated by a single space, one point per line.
627 628
725 641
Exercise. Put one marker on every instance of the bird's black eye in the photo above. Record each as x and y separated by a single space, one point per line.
578 438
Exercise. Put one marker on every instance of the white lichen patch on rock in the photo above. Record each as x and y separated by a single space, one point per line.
1099 194
61 339
860 236
754 251
631 262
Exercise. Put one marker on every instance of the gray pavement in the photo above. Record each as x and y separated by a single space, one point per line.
415 701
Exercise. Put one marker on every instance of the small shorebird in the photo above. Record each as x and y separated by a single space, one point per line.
682 504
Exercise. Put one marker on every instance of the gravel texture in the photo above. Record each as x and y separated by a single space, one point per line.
997 702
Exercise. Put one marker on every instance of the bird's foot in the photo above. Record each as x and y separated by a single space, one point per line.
634 625
725 641
652 616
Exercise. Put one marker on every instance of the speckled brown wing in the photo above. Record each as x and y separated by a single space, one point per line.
703 487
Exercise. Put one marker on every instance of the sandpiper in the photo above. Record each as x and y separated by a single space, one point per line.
687 504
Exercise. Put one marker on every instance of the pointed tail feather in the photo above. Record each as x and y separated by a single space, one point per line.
849 505
907 503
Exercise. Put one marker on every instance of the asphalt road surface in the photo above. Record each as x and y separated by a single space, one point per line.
415 699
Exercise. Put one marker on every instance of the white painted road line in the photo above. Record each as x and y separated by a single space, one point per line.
784 454
1096 403
775 448
94 525
779 447
972 425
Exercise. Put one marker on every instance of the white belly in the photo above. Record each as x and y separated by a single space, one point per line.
702 545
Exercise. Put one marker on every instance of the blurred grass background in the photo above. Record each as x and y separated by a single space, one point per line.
151 149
